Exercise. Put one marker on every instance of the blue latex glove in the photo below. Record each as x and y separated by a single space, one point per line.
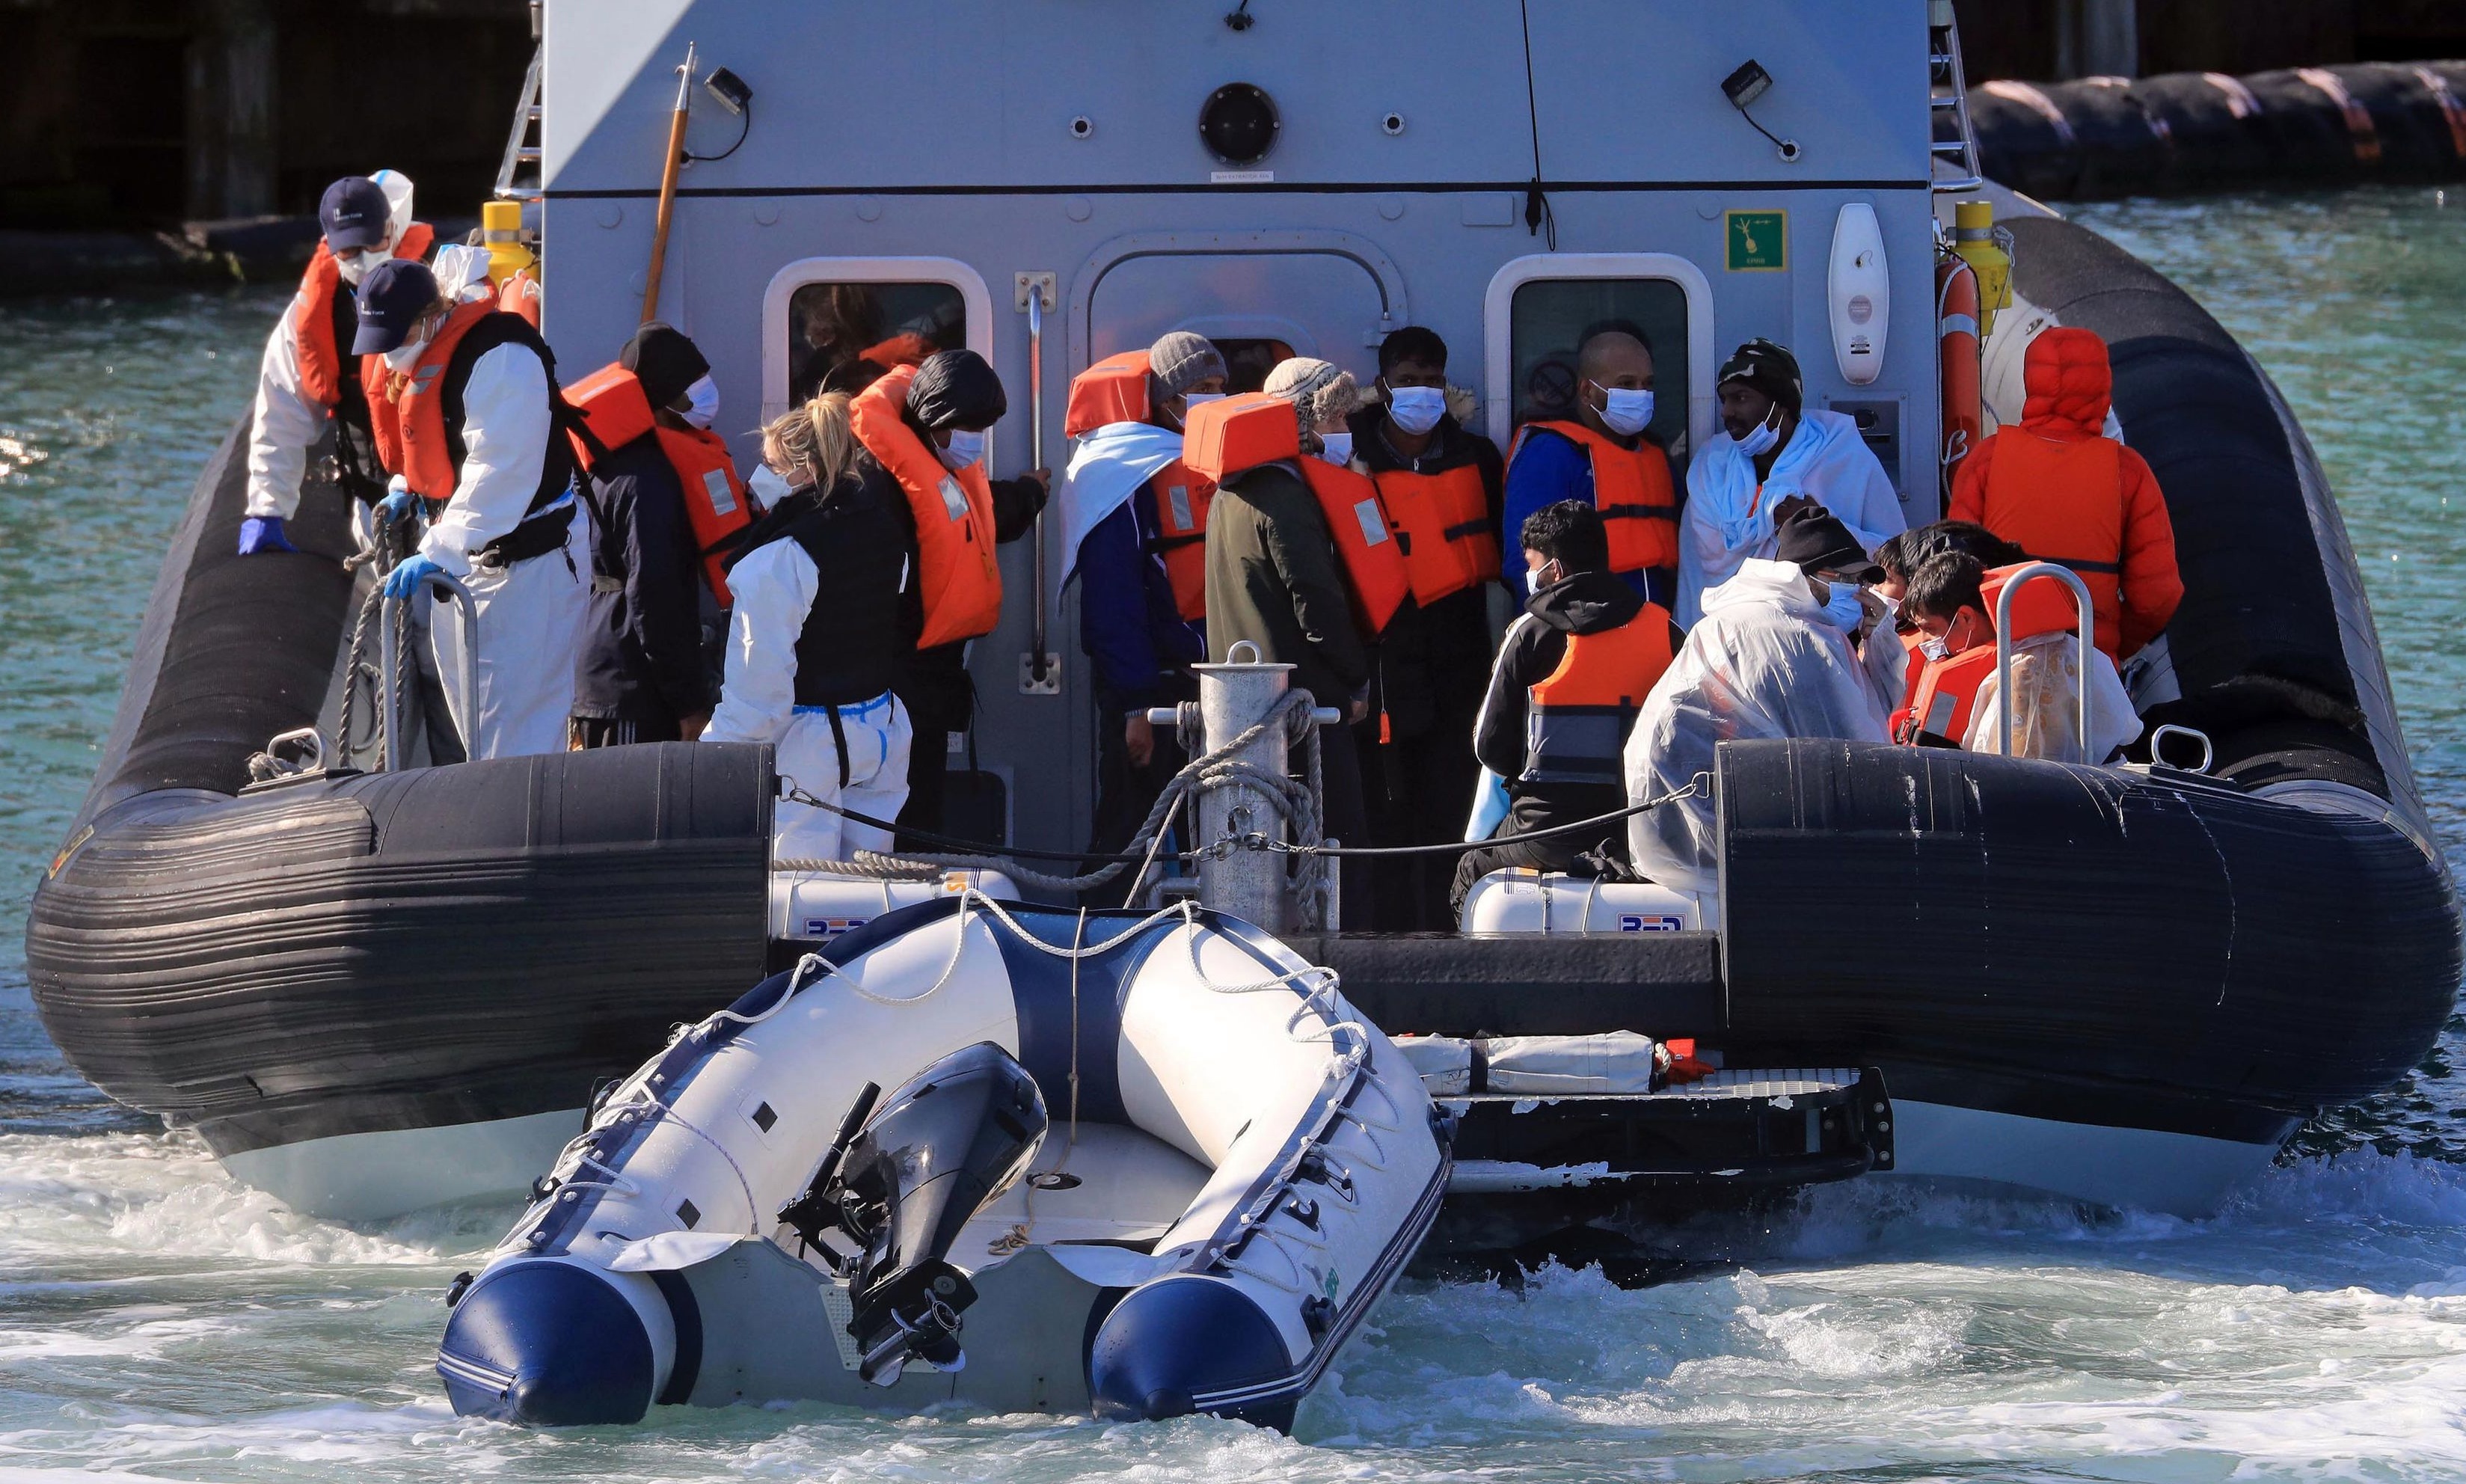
263 533
399 501
407 575
1488 807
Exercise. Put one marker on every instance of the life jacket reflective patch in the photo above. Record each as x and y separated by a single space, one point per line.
958 570
2062 502
1444 522
1577 720
1944 697
312 316
1631 488
409 418
1182 498
716 507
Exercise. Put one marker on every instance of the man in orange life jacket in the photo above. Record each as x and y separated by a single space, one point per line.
1605 456
1134 519
1949 601
1571 676
944 407
2066 493
1441 486
640 677
470 421
1276 577
308 382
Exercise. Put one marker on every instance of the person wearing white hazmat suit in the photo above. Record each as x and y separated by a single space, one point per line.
309 380
1769 658
817 637
473 427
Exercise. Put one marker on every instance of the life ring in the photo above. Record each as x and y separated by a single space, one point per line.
1956 318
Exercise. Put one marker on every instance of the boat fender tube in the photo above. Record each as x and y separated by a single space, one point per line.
1186 1343
554 1343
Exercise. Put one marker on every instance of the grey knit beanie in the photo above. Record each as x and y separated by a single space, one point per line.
1318 389
1182 360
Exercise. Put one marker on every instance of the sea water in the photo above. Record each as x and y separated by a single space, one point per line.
158 1322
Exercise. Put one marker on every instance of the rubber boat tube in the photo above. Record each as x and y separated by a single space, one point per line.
1238 1165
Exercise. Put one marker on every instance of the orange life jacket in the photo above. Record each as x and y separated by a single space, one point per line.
1115 390
2062 502
1442 520
408 415
1182 501
1633 490
520 293
1247 431
1577 721
1945 696
312 316
957 569
617 411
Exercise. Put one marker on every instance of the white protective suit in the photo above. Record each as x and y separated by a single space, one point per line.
775 585
285 423
1727 519
532 613
2046 718
1761 663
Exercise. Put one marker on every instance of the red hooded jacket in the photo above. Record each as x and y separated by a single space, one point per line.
2067 494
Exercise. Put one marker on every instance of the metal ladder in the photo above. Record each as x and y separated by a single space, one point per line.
522 145
1948 93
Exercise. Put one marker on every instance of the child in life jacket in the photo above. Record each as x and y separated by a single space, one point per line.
1957 700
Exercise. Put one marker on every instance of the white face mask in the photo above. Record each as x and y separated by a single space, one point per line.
1191 399
1624 411
355 268
1337 447
1762 437
403 357
704 399
967 446
1417 410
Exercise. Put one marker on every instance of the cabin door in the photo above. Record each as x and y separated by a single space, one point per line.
1259 296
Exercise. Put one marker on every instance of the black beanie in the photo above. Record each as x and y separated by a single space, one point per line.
664 361
956 389
1767 368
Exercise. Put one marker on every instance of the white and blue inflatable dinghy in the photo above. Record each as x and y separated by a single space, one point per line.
1026 1159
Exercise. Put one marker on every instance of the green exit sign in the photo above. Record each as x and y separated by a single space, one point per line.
1759 241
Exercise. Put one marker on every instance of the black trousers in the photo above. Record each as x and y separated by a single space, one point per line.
1125 793
1555 853
584 733
1420 790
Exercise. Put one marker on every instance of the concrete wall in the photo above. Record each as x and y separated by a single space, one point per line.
144 113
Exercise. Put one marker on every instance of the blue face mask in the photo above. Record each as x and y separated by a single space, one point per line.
1762 438
1843 610
966 447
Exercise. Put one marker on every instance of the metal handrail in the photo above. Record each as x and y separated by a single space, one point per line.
2004 647
1035 461
396 754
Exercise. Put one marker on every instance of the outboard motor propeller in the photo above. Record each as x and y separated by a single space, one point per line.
942 1145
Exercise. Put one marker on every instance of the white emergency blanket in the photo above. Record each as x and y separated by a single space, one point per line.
2046 673
1729 517
1760 664
1106 468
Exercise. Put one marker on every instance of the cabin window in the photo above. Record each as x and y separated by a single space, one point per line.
1549 320
841 335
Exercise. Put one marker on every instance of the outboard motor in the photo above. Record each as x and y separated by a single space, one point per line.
884 1213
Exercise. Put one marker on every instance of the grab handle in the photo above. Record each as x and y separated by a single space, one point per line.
2004 647
2158 746
391 706
1036 660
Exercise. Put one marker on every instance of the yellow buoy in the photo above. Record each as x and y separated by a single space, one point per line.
1973 239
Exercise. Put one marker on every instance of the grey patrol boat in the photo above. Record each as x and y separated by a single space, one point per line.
373 989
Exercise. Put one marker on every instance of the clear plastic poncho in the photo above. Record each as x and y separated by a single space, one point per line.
2047 717
1761 663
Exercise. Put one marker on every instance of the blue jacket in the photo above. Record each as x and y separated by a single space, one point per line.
1548 468
1127 624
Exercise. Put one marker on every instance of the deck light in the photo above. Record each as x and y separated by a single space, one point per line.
1239 123
729 89
1743 87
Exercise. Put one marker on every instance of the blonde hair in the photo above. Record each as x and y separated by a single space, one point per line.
811 441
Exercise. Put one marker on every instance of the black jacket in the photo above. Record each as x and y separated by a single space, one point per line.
641 645
1434 661
856 638
1586 603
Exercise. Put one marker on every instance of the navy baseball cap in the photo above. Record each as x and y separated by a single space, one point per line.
355 214
392 299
